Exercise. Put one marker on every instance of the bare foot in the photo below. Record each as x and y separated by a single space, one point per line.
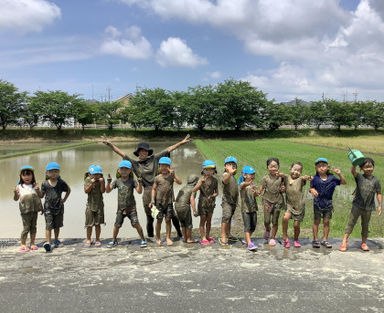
191 241
169 242
159 242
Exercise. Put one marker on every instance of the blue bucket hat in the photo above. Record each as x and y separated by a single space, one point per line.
165 160
230 159
125 163
321 160
52 166
95 169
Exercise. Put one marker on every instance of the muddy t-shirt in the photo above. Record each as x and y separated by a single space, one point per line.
230 190
95 197
207 188
272 188
52 202
325 189
29 201
164 191
148 168
294 193
366 188
248 199
125 189
183 197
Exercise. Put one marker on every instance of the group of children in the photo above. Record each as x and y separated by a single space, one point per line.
277 190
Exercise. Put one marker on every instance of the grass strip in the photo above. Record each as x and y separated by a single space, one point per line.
47 149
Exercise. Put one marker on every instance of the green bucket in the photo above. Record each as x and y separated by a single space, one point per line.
356 157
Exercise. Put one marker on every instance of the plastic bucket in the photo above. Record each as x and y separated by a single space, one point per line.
356 157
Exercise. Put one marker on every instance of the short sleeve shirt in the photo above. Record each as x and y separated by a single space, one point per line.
52 195
125 190
148 168
325 189
230 190
95 197
207 188
183 197
272 189
294 192
248 199
29 201
366 188
164 191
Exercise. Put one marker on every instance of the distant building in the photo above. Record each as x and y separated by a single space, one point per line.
124 99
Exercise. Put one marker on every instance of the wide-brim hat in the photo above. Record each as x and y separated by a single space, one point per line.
145 146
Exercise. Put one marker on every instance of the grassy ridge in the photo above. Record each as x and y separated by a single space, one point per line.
256 152
46 149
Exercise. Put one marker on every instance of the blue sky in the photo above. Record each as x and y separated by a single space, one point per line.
286 48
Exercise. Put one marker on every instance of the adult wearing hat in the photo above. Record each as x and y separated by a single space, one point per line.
146 168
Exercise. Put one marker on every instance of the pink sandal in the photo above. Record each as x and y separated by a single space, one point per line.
297 244
211 240
34 247
23 249
287 244
204 242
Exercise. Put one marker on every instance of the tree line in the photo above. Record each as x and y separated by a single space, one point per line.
229 105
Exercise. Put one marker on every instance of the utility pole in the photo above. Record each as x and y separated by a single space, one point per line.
355 94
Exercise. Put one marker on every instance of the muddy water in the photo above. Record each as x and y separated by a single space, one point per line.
74 162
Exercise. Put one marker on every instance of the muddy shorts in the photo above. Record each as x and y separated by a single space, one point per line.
228 211
205 210
272 212
29 224
147 194
131 213
353 217
94 218
165 211
53 221
296 217
319 214
250 221
185 217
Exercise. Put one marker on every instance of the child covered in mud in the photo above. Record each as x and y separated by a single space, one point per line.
248 194
163 197
52 189
294 184
367 186
94 186
322 188
230 198
208 187
126 204
273 201
183 207
28 193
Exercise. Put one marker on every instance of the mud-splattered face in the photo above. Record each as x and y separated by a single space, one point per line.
322 168
164 168
296 171
249 177
273 168
53 174
209 172
143 154
368 169
124 171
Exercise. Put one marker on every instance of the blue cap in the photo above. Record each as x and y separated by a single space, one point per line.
165 160
321 160
248 170
27 167
95 169
230 159
125 163
209 164
52 166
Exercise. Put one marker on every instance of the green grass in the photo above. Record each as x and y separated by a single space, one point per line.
256 152
46 149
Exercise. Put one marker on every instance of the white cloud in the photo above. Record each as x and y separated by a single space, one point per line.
129 43
215 75
24 16
175 52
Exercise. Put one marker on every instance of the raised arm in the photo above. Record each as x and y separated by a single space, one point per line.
180 143
353 171
342 179
139 187
114 148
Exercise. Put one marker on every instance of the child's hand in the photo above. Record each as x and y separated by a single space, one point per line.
307 177
109 179
336 170
93 180
314 192
101 179
280 174
139 180
36 187
195 213
282 188
230 169
172 172
151 204
16 192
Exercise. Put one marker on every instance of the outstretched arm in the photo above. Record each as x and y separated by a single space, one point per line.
180 143
114 148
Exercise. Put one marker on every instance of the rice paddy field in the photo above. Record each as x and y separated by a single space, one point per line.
305 150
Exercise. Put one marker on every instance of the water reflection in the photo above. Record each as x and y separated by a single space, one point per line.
74 163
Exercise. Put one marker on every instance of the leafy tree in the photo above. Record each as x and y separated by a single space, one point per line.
239 105
180 111
31 113
374 114
318 113
11 103
111 113
57 107
152 108
340 113
86 112
201 103
274 115
298 113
